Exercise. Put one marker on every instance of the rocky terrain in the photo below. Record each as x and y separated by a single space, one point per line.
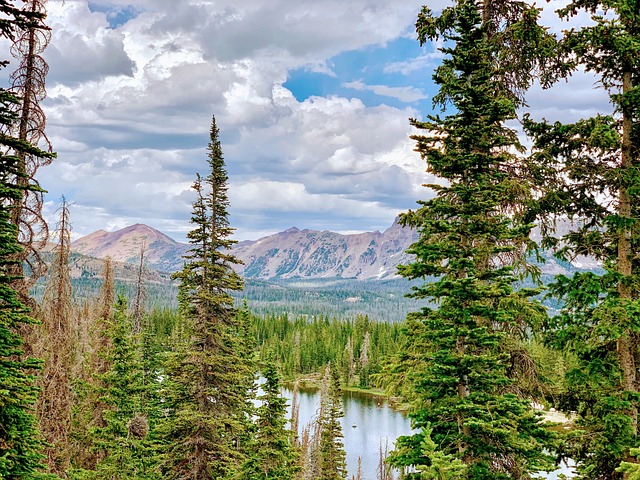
298 253
291 254
161 252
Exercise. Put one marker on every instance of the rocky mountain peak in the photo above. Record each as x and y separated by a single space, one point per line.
161 252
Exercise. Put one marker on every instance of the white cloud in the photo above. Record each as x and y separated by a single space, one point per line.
129 110
426 61
404 94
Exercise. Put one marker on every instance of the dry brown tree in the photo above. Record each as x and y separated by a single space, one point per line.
54 342
28 83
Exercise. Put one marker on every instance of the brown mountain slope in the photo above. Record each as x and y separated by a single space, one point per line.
293 253
298 253
162 253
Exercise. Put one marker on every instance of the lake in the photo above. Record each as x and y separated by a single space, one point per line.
369 423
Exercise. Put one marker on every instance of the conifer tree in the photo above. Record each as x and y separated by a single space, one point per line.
471 233
30 38
364 360
123 437
137 310
206 376
441 466
331 454
590 174
54 343
589 170
272 454
87 414
20 442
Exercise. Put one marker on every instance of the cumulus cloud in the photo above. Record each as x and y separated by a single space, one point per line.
134 83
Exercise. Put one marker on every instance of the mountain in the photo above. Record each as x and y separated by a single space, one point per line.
292 254
298 253
161 252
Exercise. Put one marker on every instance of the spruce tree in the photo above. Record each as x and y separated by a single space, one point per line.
123 437
471 238
272 454
207 375
331 454
20 442
94 350
590 174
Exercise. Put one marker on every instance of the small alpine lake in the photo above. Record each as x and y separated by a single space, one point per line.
369 424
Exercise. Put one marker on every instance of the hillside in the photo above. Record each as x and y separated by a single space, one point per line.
289 255
303 272
162 253
298 253
293 253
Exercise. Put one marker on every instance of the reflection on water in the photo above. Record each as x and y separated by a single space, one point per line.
369 424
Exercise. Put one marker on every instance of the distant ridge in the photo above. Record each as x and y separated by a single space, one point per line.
297 253
291 254
162 252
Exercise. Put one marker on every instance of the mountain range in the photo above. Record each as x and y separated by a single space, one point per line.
293 253
302 272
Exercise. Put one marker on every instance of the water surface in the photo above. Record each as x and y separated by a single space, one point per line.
369 424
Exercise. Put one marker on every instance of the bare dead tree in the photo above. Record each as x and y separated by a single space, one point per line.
136 308
107 294
358 475
54 343
28 83
295 415
384 469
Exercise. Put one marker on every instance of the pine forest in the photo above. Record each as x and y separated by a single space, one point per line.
104 380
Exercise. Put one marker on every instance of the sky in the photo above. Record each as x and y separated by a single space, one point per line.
312 98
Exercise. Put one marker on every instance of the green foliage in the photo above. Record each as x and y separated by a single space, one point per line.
304 346
123 438
631 470
272 454
380 300
208 380
441 466
471 241
20 442
589 170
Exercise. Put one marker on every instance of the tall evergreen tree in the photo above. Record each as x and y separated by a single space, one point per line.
471 236
20 442
206 375
331 454
590 171
272 454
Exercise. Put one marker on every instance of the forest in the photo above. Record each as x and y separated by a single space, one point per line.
96 385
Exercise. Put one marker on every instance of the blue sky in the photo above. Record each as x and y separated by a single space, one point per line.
312 99
373 74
